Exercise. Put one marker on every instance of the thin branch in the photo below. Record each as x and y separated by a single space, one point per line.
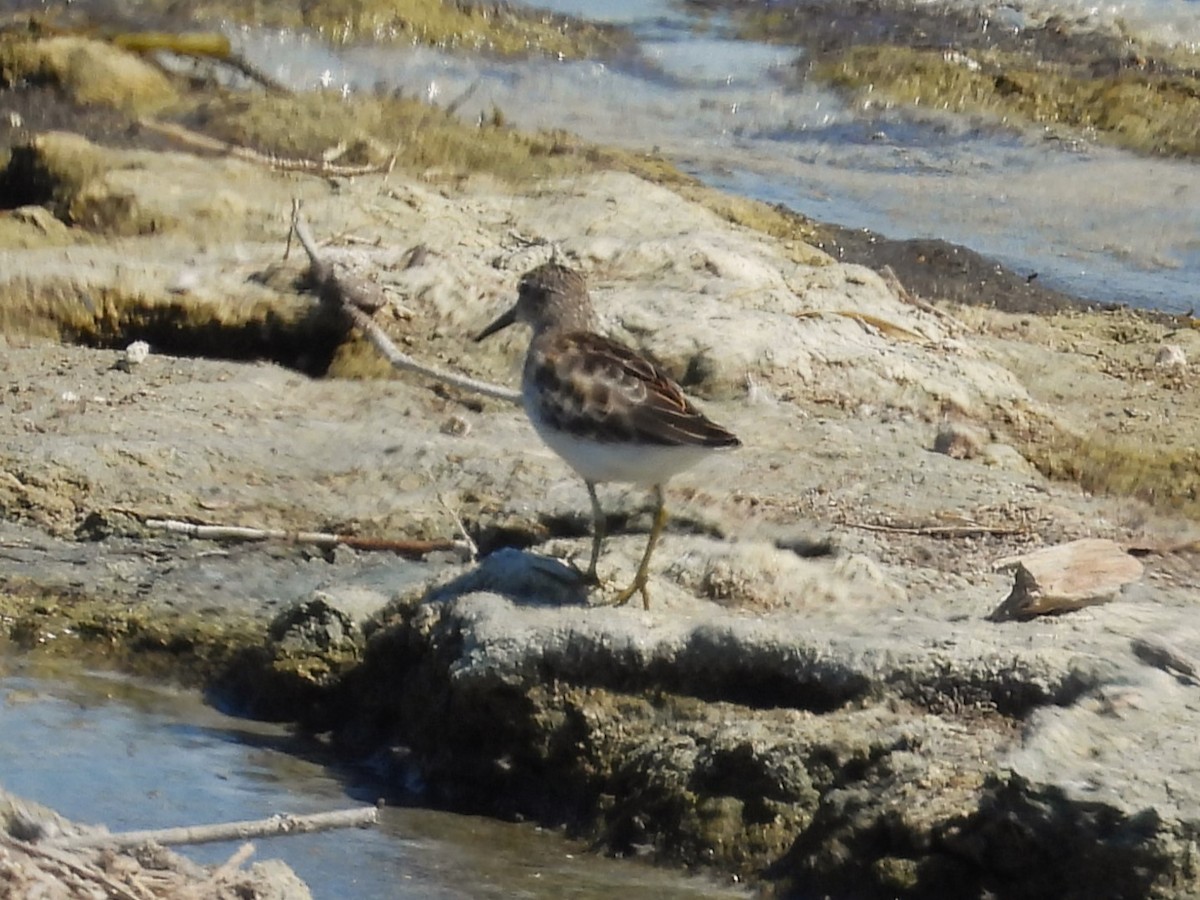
225 831
405 363
214 47
204 142
462 529
251 71
892 280
345 293
234 862
333 287
942 530
320 538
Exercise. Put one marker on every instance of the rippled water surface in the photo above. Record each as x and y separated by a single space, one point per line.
105 749
1103 224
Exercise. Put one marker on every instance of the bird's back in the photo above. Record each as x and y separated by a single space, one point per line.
595 388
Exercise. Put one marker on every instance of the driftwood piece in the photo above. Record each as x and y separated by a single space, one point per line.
225 831
415 548
335 287
867 321
1065 577
942 531
200 141
357 302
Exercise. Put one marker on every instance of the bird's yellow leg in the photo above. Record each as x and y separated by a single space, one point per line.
639 580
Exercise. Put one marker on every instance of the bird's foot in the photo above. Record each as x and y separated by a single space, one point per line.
624 596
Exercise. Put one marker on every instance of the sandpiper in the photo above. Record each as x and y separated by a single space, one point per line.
610 413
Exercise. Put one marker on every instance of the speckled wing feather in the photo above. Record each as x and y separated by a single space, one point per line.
593 387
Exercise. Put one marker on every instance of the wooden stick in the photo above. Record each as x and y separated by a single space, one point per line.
204 142
462 529
942 530
867 320
232 864
343 292
320 538
224 831
892 280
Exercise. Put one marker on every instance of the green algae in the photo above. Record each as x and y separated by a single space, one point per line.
1163 475
230 655
371 130
290 330
1136 108
494 28
193 649
90 72
1103 84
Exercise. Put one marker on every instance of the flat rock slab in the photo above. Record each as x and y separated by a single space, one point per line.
1066 577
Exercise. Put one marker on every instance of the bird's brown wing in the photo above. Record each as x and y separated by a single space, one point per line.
595 387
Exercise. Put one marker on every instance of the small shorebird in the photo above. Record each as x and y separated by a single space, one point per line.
611 414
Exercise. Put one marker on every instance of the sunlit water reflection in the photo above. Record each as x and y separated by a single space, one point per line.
104 749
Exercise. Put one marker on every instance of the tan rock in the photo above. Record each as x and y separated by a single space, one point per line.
1065 577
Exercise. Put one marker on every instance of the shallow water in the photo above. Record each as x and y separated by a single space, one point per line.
104 749
1102 224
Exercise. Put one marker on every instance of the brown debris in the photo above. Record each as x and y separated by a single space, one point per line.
44 855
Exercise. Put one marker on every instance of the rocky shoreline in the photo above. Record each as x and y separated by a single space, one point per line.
818 701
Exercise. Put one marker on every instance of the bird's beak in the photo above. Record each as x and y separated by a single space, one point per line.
501 323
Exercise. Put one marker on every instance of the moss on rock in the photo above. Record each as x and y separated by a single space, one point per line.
190 648
1166 476
89 72
1135 108
490 27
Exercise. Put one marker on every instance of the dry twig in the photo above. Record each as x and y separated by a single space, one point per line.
204 142
892 280
942 530
234 862
462 529
347 294
403 547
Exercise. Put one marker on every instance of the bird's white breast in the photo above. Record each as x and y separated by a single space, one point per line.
630 463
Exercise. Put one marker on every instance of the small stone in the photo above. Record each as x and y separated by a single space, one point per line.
960 441
455 426
1170 356
135 354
